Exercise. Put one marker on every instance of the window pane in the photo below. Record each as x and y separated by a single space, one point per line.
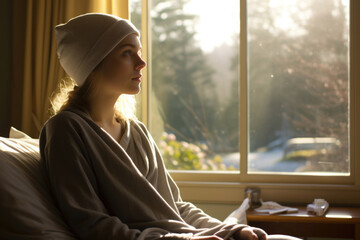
194 103
135 17
298 86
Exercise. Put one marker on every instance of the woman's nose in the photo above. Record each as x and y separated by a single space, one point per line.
140 64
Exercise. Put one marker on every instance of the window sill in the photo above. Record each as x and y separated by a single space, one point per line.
232 192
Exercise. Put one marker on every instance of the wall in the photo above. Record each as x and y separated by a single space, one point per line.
219 211
5 65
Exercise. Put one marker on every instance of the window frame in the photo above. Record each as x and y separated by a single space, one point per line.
229 187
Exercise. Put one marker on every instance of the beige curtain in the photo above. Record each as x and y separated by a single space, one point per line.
36 69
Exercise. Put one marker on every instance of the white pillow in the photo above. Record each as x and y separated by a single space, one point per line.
27 208
14 133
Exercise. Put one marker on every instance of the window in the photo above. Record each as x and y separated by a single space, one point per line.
281 94
194 88
298 86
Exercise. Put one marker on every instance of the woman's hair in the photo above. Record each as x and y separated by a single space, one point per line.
69 95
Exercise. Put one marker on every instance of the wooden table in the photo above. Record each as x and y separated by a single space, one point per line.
338 222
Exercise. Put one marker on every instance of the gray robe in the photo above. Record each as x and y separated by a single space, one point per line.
108 190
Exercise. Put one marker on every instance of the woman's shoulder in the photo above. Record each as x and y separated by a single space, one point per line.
63 117
64 127
64 120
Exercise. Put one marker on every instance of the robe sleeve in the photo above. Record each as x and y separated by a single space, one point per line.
189 212
194 216
74 187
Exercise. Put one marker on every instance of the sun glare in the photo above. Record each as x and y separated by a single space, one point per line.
215 25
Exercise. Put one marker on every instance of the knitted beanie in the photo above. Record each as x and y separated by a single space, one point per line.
84 41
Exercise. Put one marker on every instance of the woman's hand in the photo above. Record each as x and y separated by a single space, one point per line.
251 233
206 238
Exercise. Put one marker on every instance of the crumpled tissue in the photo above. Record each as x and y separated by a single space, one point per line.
239 215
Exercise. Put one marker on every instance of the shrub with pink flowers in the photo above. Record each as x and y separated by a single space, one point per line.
181 155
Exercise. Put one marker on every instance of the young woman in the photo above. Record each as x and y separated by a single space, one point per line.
104 168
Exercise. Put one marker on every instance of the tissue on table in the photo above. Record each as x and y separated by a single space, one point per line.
239 215
271 207
319 206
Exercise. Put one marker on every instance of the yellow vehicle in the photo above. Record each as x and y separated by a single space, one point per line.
306 147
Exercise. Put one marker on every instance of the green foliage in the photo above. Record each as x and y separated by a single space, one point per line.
181 155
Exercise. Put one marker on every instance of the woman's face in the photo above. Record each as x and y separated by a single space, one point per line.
121 70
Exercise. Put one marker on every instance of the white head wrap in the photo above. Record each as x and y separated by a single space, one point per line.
84 41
